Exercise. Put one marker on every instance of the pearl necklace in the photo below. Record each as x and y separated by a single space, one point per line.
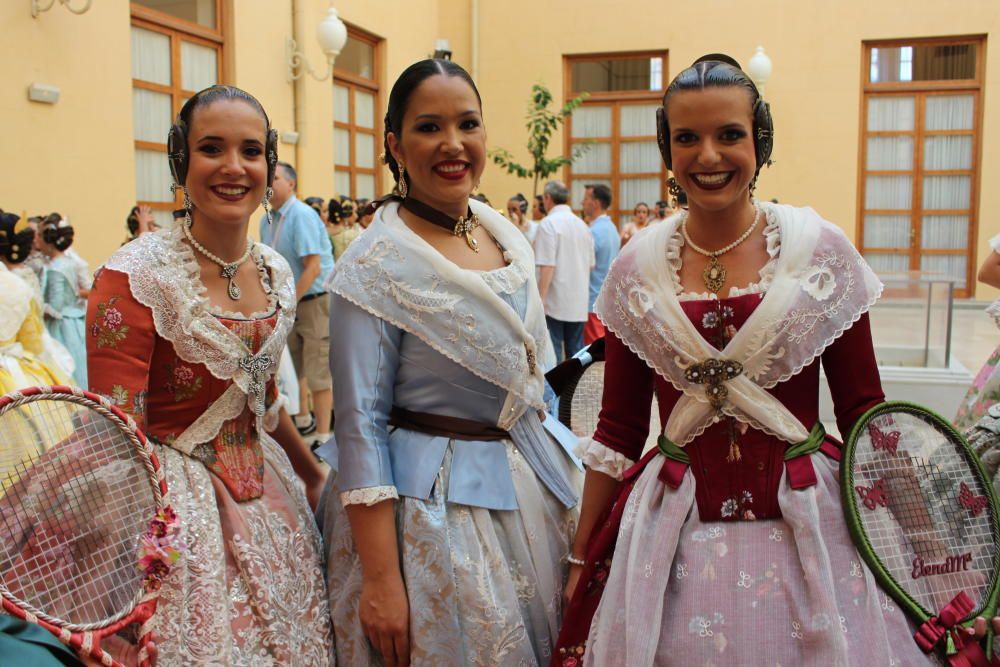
228 268
714 275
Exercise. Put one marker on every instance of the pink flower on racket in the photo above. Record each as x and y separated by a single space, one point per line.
159 549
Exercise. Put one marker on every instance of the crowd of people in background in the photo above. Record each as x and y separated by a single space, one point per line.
573 252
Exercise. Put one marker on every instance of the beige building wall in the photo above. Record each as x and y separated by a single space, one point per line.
77 156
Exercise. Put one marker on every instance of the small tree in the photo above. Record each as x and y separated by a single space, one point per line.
542 122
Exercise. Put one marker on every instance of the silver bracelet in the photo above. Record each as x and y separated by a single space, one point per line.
573 560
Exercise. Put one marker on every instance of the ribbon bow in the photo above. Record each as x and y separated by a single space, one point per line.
934 628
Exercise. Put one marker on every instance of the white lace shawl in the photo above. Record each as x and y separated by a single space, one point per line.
164 276
392 273
820 287
15 302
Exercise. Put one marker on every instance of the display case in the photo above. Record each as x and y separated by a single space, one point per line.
911 323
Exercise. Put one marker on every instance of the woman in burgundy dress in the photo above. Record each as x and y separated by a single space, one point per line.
727 544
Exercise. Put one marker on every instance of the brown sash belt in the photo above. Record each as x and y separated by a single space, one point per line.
448 427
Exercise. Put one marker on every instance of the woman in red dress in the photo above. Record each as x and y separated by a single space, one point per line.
727 544
184 329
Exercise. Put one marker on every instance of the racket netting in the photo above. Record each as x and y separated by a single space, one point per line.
75 501
928 541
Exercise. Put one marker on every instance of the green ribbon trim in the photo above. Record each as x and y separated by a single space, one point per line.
807 446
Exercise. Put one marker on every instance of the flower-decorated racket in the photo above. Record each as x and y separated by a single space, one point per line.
86 534
924 517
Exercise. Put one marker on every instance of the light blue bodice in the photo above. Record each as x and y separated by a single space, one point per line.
375 366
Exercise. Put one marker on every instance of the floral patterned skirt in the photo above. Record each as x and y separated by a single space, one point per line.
484 586
789 591
249 588
984 392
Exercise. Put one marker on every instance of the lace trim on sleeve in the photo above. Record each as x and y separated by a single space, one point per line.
602 458
368 496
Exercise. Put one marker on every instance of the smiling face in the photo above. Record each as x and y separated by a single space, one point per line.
640 215
711 145
443 141
227 172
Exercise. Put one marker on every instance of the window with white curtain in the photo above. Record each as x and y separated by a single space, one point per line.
920 158
168 66
357 136
618 122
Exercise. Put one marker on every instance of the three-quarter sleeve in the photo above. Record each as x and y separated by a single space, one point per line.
852 373
623 425
120 341
364 357
58 293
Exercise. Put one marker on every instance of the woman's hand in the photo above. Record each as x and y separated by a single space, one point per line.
572 579
147 223
123 651
385 618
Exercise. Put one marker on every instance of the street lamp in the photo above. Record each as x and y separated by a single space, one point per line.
37 7
331 34
759 69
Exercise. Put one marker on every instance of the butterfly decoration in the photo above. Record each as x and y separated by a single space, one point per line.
970 501
887 441
873 496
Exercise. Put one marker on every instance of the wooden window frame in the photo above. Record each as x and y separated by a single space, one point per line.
616 100
177 30
353 82
921 91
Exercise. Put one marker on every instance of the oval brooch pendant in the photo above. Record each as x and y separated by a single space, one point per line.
714 275
234 291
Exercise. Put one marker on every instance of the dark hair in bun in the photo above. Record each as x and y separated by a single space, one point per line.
56 231
15 238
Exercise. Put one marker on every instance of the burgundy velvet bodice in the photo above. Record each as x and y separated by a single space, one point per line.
736 468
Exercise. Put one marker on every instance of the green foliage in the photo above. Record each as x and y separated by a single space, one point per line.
542 123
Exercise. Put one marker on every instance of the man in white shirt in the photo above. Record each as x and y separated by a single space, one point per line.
564 255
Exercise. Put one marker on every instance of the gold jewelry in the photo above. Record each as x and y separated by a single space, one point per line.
714 275
229 269
402 187
467 225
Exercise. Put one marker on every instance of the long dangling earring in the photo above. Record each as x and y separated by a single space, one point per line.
266 203
753 186
188 206
403 187
674 188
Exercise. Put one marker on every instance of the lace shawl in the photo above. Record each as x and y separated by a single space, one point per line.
164 276
395 275
820 287
14 305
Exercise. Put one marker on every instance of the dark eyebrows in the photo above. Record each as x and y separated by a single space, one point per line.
213 137
434 116
727 126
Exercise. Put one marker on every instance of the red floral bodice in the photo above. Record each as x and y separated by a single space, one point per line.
142 373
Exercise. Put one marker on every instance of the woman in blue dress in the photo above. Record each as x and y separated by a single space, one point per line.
65 311
448 523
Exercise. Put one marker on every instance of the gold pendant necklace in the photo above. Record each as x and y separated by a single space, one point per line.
464 226
714 275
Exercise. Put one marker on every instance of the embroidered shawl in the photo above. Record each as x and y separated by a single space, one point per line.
395 275
821 286
164 276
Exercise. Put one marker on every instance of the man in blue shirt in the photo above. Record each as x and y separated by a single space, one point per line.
300 237
596 202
